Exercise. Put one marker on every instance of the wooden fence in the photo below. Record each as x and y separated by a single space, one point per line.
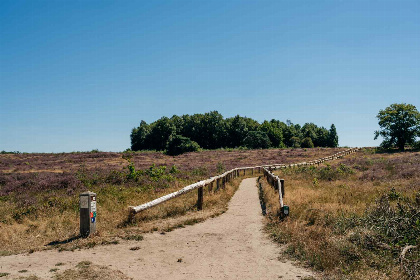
278 184
221 180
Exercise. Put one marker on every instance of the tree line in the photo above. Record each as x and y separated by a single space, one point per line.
211 130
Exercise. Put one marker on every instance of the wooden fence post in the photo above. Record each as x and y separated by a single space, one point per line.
200 199
276 185
217 184
282 187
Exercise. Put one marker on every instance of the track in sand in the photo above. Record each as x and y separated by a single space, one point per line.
231 246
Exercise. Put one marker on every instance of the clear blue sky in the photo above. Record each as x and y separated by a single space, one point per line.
79 75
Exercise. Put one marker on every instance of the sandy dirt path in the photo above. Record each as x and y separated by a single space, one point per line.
231 246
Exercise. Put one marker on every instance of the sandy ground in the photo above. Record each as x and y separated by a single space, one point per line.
231 246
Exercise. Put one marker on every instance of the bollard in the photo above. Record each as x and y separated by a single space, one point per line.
284 211
87 213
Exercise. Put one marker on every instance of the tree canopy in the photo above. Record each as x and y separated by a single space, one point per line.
400 125
211 131
179 144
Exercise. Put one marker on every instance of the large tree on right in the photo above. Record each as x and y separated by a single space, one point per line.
400 125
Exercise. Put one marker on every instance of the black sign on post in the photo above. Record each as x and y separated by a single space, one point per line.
87 213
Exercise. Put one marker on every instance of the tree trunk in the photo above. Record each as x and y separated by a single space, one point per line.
401 144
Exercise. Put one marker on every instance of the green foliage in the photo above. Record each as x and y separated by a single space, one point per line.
273 129
289 131
416 145
212 131
15 152
161 132
295 142
174 170
237 130
330 173
307 143
400 125
179 144
220 167
398 225
157 173
154 173
310 130
132 173
139 137
257 140
393 195
332 140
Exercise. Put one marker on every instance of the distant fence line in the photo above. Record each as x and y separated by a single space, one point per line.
228 176
278 184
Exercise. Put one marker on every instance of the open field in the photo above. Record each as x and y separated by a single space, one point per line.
230 246
352 218
39 192
94 161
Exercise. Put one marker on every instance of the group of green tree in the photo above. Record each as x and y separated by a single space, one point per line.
212 131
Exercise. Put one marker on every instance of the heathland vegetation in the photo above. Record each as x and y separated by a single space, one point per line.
352 218
355 218
211 131
39 193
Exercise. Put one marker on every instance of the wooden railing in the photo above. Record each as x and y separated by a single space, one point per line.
228 176
278 184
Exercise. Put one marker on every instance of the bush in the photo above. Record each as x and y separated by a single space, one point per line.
307 143
179 144
257 140
399 225
295 142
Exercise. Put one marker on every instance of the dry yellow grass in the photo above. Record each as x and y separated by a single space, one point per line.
88 271
59 229
327 208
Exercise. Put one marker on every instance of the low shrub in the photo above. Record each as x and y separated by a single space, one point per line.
179 144
307 143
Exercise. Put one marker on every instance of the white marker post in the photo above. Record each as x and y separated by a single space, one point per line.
87 213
